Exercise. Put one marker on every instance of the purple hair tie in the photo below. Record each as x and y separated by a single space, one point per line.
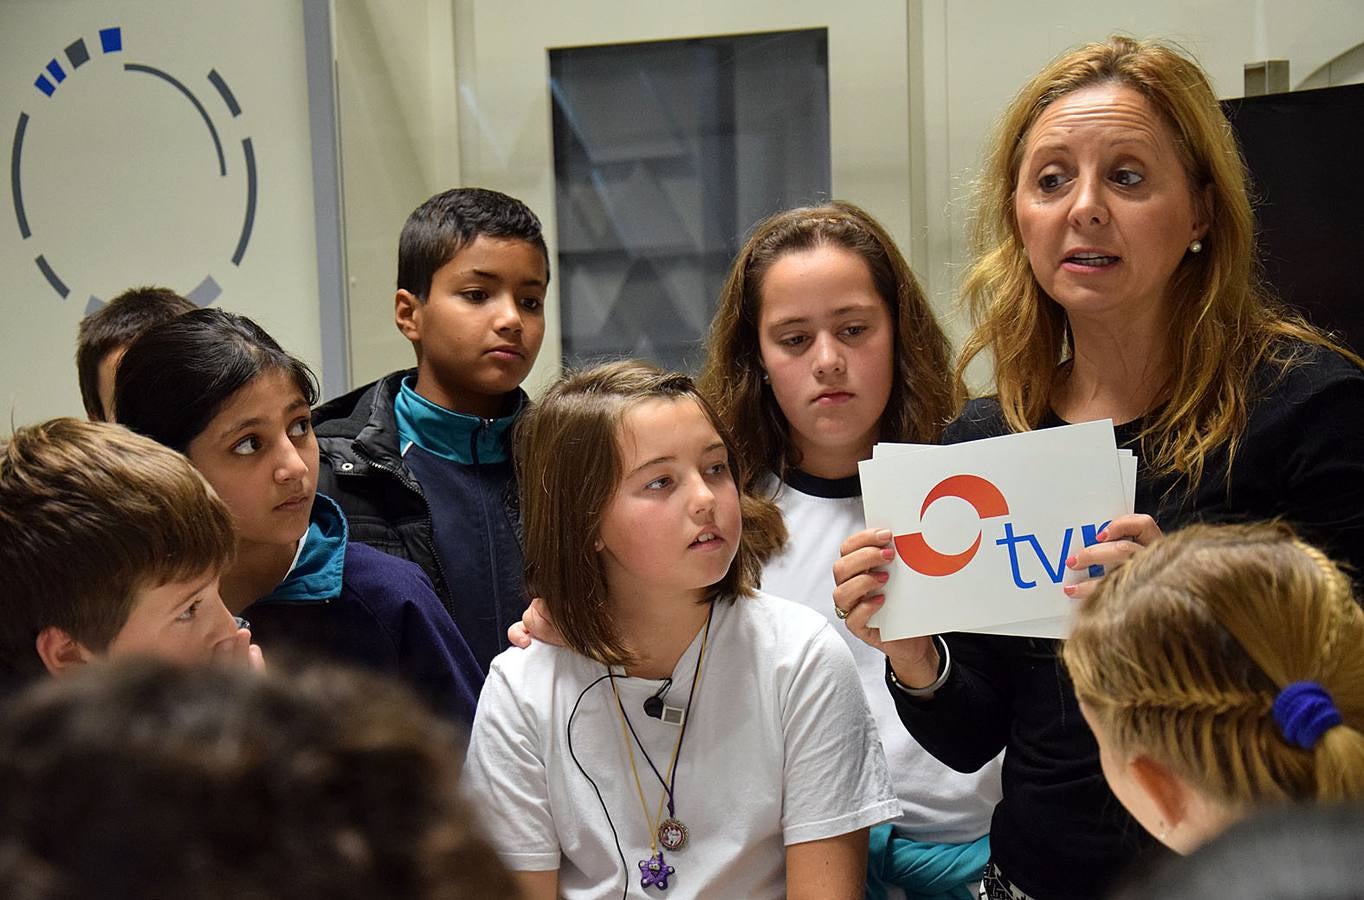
1304 712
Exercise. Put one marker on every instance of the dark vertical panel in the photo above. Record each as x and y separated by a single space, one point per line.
1303 151
665 154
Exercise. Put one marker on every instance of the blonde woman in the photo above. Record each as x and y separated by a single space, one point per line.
1115 278
1220 670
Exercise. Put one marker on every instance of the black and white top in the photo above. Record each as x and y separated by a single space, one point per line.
937 803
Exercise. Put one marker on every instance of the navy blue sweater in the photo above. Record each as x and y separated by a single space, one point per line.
349 603
436 487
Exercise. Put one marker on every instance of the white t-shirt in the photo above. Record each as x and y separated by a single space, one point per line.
779 749
938 803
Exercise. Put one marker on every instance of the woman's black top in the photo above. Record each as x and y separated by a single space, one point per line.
1059 833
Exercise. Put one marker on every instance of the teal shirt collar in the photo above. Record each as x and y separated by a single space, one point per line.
448 434
316 573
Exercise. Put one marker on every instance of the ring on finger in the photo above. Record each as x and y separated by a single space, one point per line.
840 611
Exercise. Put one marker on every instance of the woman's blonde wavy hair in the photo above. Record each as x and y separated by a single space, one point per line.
1180 654
921 398
1224 322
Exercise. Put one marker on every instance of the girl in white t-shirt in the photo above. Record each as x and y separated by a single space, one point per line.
822 345
694 736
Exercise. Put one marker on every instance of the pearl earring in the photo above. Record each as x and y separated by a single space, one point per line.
1196 246
765 378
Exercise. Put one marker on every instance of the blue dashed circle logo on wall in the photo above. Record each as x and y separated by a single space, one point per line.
48 88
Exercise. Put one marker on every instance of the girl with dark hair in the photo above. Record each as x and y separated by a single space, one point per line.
216 387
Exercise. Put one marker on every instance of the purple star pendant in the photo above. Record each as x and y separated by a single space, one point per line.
654 872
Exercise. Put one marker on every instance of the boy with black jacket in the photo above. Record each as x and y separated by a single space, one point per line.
420 460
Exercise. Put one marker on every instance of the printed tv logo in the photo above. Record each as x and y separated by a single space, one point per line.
989 503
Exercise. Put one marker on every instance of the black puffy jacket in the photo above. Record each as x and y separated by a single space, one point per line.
363 471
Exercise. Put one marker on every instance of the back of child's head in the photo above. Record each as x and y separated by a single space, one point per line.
177 375
1233 655
90 514
569 466
143 779
451 221
921 398
115 326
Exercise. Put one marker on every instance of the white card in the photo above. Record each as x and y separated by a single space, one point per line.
1059 626
983 529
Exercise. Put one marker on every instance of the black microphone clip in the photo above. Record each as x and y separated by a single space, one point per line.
653 706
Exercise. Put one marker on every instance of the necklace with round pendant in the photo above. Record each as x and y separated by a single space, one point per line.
672 834
669 833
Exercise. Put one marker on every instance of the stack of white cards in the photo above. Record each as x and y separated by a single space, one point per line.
983 529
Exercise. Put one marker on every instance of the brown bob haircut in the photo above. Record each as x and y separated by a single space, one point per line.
144 779
113 327
921 398
569 466
1181 653
91 514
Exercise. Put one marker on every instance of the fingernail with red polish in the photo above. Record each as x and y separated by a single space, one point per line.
877 600
1070 562
881 576
1069 589
887 553
1101 536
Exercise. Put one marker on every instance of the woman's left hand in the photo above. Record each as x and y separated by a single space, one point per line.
1123 537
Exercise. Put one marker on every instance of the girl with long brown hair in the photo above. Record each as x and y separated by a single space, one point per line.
824 344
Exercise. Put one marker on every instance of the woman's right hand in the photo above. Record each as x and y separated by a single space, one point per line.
859 576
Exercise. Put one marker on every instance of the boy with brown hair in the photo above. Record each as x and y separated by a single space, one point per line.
106 333
110 545
420 460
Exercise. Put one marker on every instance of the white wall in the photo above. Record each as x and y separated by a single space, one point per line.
505 132
501 106
121 181
915 86
395 68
